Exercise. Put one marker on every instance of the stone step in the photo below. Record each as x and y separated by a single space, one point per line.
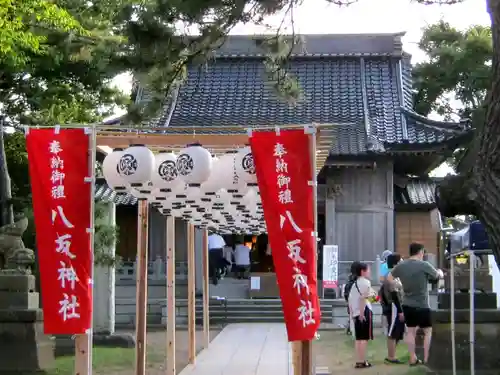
253 302
224 311
251 307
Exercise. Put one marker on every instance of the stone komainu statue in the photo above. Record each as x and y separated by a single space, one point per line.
15 258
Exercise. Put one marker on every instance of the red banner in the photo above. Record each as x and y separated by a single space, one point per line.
59 165
284 172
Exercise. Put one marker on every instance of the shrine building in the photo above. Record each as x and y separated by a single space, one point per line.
374 192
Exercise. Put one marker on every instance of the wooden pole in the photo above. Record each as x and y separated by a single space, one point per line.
82 360
296 357
306 360
83 343
191 296
171 296
206 292
142 287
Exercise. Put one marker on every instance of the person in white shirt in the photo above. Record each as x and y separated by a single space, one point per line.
228 258
216 256
361 313
242 259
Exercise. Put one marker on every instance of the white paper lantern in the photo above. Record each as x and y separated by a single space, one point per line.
229 174
194 165
176 213
214 181
245 166
167 204
193 193
222 197
165 176
140 194
250 199
136 165
110 171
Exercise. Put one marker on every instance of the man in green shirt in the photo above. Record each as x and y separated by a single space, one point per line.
415 274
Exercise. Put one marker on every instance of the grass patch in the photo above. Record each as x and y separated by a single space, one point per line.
335 350
104 360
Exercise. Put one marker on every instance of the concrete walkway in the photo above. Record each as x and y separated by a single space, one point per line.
245 349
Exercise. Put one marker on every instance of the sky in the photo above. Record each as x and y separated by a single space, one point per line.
371 16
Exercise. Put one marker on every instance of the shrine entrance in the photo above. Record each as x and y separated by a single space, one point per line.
260 252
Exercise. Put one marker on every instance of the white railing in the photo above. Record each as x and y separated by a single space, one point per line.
126 270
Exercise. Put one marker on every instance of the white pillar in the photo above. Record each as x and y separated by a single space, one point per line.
198 251
330 230
104 286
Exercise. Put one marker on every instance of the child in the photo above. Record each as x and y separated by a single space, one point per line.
361 313
347 290
392 311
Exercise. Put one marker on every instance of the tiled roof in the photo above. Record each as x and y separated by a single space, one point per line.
415 192
359 83
352 140
234 92
104 193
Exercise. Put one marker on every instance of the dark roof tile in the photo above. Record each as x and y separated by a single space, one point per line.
383 100
416 192
424 130
104 193
232 90
352 140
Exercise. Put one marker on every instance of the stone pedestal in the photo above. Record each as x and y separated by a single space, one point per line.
462 301
483 281
24 348
487 330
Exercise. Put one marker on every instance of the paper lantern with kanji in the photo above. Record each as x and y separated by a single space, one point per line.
245 166
136 165
231 180
194 164
110 171
165 177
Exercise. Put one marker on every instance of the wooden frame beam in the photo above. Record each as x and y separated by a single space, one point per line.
175 140
215 142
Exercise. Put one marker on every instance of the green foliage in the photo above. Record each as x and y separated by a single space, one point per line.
106 236
458 71
55 63
17 162
458 67
57 59
278 50
17 20
29 236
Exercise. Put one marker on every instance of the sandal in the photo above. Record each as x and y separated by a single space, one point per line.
393 361
418 362
364 364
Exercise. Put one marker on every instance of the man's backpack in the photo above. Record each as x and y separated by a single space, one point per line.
348 287
382 297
